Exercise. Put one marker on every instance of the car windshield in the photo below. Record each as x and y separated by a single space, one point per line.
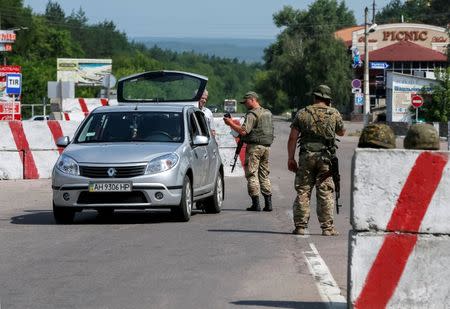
161 87
132 127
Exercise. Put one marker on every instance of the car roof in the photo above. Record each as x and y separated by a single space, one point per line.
146 107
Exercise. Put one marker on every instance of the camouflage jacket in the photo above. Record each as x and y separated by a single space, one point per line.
317 124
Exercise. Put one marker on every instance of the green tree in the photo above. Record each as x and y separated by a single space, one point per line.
437 105
54 13
306 54
436 12
439 13
55 34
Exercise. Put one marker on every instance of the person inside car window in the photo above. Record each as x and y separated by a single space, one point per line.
208 114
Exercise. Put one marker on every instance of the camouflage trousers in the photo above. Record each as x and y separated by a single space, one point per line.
310 174
256 168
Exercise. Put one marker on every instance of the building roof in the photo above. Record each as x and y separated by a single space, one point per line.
406 51
346 34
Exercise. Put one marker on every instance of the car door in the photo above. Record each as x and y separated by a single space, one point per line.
200 156
212 148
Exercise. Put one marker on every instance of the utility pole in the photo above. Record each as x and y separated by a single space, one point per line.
373 12
366 69
4 53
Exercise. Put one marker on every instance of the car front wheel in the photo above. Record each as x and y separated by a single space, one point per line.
185 208
63 215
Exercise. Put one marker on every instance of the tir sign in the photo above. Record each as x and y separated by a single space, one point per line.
13 83
416 101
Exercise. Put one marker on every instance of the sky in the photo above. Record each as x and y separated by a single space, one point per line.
193 18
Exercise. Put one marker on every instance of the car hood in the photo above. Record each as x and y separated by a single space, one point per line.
118 152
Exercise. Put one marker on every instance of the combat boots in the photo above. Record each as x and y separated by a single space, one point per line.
330 232
255 204
299 231
267 202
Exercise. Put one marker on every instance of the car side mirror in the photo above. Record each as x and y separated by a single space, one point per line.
200 140
63 141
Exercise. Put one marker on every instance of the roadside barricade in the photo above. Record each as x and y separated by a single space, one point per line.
77 109
227 147
28 148
399 248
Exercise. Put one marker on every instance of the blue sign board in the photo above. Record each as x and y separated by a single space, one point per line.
379 65
13 83
359 99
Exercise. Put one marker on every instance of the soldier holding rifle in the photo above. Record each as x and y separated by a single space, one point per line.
314 129
257 133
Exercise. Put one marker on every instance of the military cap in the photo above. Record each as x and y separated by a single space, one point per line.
422 136
377 135
249 95
323 91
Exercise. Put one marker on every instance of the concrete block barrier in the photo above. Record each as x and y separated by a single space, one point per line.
406 184
29 147
227 147
77 109
406 270
400 239
10 165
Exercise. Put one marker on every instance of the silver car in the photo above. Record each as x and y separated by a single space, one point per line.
153 150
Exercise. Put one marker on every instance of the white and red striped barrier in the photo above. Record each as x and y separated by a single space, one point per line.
28 148
78 109
227 148
400 243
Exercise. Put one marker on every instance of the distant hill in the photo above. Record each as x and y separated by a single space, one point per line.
248 50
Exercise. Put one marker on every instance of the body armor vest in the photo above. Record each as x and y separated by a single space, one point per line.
262 132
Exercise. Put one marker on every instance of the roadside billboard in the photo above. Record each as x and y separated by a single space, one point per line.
7 36
10 108
83 72
399 90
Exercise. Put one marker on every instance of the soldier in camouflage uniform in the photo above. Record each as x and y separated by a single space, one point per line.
377 135
314 128
422 136
257 133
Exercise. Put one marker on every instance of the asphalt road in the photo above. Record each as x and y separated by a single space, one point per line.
235 259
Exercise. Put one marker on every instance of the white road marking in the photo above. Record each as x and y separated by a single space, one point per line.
328 289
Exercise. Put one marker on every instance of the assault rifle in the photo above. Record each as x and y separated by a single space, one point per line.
337 180
236 154
334 173
238 148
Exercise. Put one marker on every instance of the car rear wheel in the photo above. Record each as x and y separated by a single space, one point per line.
214 204
185 208
63 215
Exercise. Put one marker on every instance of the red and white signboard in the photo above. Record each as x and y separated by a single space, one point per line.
416 100
7 112
5 47
10 110
7 36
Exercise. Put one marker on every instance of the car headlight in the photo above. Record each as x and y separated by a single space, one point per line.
162 163
68 165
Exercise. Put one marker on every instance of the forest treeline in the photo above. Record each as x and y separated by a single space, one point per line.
53 34
304 54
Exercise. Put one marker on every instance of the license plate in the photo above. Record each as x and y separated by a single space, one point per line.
110 187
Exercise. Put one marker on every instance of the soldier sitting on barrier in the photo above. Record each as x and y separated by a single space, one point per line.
377 135
422 136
